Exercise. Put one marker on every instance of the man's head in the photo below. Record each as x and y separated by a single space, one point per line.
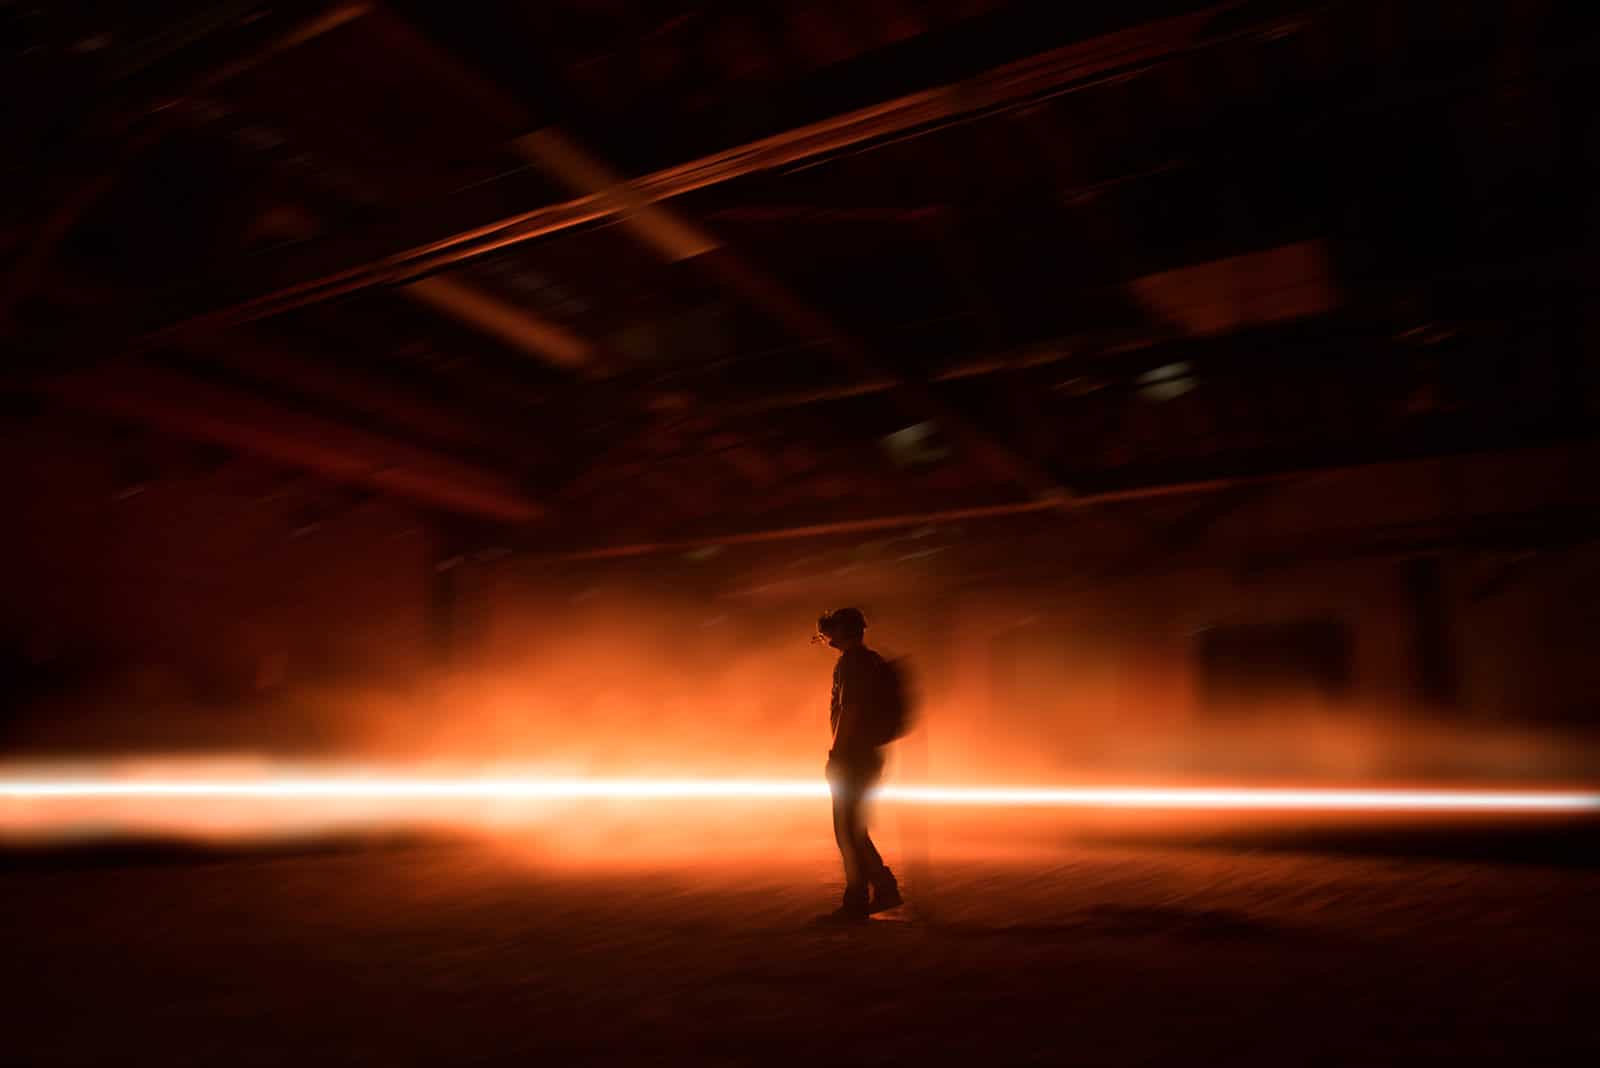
841 628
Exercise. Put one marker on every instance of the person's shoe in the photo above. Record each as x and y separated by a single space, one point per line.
885 898
848 913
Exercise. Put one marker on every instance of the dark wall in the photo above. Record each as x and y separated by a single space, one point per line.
138 565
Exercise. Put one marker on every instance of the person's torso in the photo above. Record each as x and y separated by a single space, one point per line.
855 684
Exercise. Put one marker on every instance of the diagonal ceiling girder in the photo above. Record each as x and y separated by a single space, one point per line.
1060 70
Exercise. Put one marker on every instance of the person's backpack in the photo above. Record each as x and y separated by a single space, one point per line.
891 713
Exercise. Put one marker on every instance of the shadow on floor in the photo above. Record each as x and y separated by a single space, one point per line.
1566 844
1128 921
90 854
1104 920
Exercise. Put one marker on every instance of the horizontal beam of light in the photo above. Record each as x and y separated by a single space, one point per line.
410 789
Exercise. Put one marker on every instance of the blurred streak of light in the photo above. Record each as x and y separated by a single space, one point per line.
409 789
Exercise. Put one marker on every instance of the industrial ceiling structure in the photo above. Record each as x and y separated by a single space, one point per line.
596 277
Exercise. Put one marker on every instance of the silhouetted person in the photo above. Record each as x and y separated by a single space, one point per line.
862 687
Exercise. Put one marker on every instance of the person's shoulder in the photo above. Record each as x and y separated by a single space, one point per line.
859 658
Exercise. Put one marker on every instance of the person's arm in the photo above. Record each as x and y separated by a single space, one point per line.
851 694
841 732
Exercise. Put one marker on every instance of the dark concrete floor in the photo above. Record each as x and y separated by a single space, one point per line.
1102 952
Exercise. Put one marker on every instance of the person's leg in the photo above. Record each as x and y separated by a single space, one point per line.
863 864
872 865
849 832
874 870
842 816
885 888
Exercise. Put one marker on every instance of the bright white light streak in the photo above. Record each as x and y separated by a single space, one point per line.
411 789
